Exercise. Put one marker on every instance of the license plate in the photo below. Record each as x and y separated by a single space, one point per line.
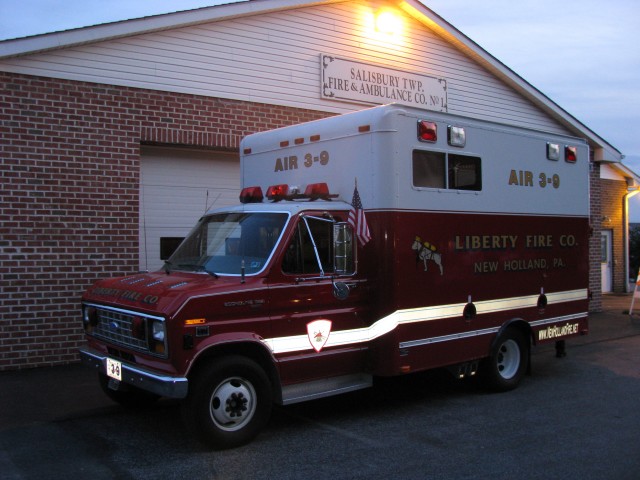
114 369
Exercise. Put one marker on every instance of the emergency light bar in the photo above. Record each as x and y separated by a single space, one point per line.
275 193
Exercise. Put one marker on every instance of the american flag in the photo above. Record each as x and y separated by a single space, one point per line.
357 218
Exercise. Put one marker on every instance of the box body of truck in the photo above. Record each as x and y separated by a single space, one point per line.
377 243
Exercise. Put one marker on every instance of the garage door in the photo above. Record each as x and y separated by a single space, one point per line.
176 187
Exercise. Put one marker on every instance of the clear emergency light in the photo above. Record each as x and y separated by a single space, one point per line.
553 151
427 131
456 136
570 154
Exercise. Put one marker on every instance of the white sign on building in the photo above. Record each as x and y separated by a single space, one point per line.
348 80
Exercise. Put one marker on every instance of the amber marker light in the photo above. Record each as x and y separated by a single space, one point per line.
194 321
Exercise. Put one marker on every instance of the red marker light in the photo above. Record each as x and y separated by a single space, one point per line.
427 131
571 154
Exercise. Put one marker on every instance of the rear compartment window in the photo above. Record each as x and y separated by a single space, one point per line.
446 171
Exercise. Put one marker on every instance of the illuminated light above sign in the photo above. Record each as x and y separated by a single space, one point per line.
388 22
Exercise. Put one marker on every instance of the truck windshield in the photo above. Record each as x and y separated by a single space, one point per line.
223 243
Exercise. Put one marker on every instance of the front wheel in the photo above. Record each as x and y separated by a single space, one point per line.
229 402
508 362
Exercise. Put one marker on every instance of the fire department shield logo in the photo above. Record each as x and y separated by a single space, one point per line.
318 332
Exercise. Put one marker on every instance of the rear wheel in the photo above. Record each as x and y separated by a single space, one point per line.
508 362
229 402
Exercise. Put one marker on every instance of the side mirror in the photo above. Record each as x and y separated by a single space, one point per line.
343 257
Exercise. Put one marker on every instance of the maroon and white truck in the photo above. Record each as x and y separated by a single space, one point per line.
377 243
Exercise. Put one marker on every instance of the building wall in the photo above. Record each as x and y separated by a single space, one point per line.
595 277
274 58
69 198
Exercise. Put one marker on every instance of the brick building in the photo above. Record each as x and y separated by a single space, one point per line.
617 185
115 138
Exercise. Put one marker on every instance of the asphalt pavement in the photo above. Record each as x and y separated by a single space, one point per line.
48 394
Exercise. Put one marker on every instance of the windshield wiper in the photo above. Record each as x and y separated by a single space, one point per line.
198 268
202 268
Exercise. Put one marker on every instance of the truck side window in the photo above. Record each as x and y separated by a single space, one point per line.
450 171
464 172
300 256
428 169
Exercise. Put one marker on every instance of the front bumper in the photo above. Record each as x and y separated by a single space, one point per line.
163 385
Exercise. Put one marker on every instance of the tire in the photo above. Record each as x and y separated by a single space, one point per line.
128 396
229 402
508 362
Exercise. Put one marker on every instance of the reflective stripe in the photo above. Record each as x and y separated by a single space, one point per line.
425 314
446 338
487 331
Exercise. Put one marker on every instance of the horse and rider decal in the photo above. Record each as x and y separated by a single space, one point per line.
426 251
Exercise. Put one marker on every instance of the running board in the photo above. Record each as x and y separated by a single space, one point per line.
301 392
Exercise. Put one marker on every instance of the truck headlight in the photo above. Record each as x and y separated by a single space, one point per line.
157 331
158 335
89 318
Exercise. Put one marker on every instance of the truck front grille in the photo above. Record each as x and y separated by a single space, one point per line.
116 327
124 328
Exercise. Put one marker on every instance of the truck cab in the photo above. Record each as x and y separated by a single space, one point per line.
243 279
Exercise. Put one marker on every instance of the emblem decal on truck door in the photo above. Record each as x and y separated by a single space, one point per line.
426 251
318 332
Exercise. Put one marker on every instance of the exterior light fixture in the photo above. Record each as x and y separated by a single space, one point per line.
388 22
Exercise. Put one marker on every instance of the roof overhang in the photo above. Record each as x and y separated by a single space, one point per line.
137 26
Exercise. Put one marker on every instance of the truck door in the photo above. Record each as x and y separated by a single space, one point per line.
318 303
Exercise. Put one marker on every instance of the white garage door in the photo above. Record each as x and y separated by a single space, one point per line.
176 187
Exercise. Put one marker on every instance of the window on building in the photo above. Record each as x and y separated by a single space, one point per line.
168 245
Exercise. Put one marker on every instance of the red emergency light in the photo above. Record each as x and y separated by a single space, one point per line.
570 154
427 131
315 191
277 192
251 195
